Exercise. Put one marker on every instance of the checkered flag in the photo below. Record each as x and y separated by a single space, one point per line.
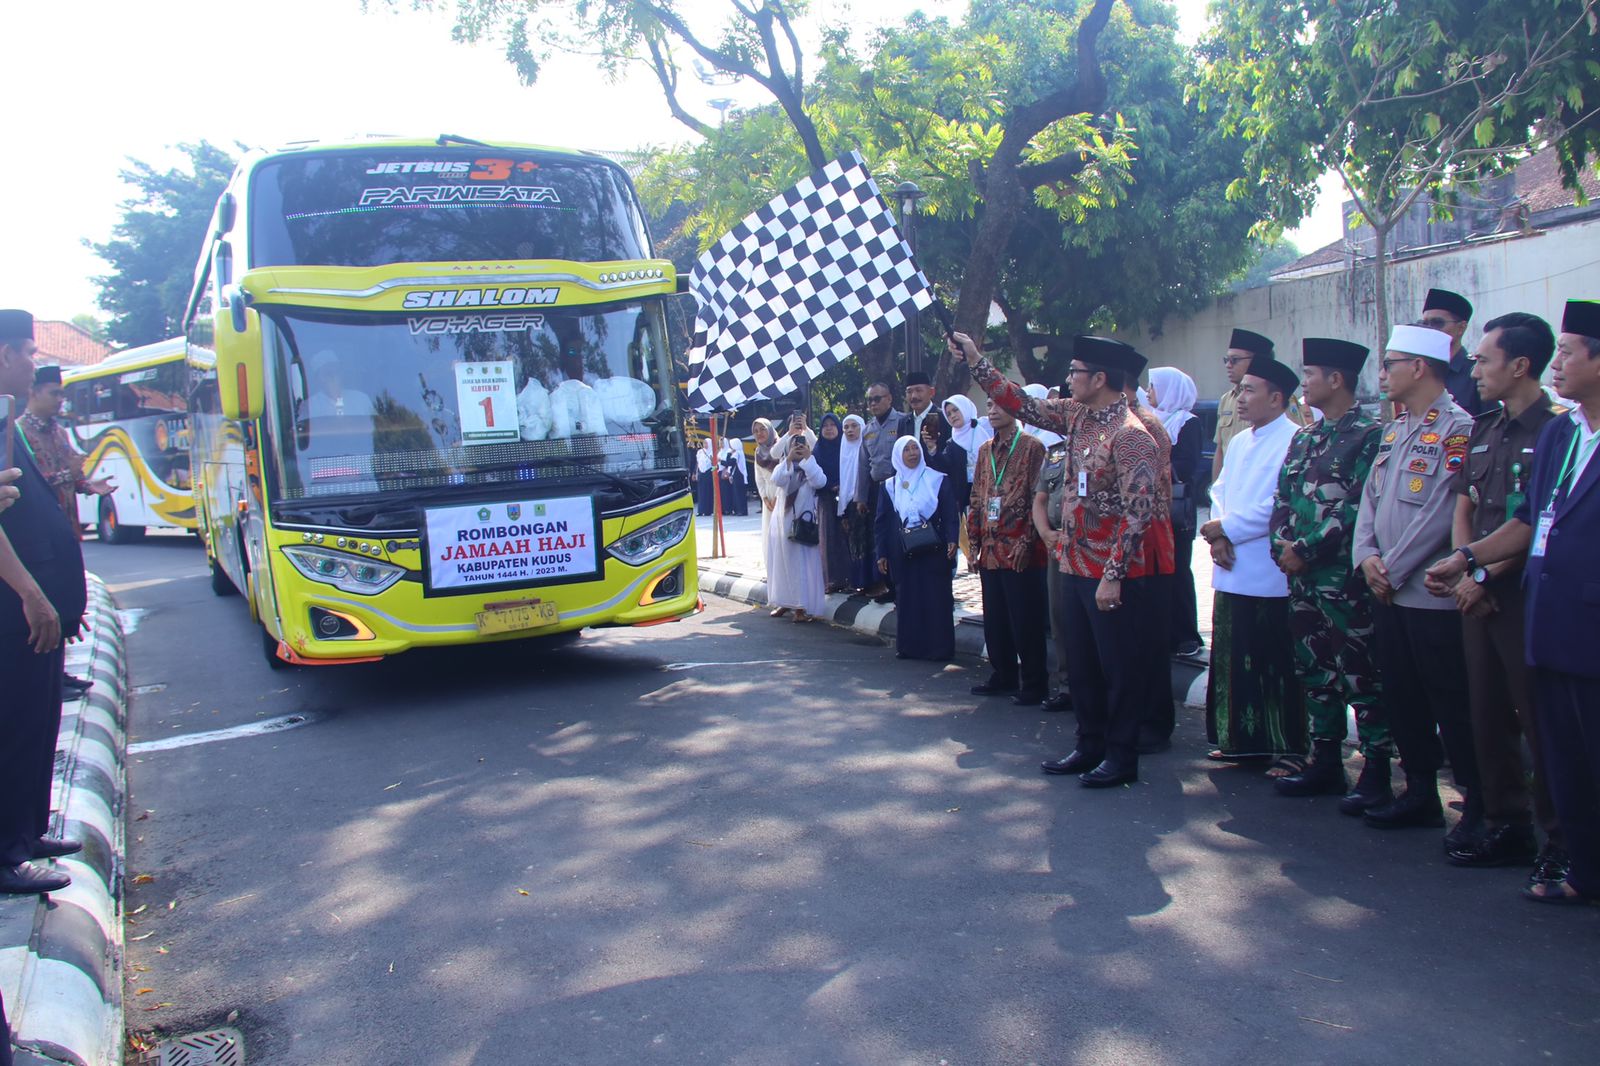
805 282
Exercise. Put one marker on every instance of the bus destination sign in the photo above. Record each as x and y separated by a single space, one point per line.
527 542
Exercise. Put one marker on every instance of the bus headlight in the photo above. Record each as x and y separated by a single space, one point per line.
365 576
651 541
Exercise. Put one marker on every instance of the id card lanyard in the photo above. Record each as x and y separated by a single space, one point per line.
999 474
1569 468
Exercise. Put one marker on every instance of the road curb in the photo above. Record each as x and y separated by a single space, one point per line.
62 978
861 615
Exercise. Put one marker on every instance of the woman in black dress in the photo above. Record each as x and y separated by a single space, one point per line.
835 543
735 486
1173 394
919 498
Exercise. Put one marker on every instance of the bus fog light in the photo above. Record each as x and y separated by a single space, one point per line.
652 541
364 576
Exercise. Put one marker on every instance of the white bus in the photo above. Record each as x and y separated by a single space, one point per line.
129 416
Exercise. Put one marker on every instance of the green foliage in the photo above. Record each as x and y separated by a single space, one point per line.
1266 257
152 250
91 324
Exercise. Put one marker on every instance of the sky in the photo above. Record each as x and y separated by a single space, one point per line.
98 82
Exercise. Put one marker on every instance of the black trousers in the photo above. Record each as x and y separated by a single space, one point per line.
1568 708
30 719
1156 623
1107 667
1185 621
1423 671
1014 618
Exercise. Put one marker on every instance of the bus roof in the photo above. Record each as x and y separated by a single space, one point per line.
445 140
140 358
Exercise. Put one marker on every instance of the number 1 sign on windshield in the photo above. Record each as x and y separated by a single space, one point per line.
486 397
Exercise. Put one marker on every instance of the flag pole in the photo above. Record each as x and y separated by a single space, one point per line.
718 538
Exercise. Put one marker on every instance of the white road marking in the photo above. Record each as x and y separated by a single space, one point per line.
747 662
254 729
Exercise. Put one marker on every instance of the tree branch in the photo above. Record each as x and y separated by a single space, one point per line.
667 74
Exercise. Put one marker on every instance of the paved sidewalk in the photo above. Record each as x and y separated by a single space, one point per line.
739 575
61 955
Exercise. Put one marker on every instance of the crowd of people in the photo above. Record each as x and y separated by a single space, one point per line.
1426 573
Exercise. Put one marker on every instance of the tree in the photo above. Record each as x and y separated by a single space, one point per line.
152 250
1266 257
1400 98
91 324
1017 141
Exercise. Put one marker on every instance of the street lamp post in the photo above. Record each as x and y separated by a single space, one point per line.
908 194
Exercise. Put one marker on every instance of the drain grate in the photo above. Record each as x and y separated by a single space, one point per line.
214 1047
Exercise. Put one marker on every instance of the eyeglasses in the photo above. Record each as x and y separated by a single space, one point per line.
1387 364
1439 323
1235 360
878 398
1071 370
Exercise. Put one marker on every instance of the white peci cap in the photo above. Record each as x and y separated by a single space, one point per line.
1420 340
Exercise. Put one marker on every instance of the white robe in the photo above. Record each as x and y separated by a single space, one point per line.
1242 499
794 570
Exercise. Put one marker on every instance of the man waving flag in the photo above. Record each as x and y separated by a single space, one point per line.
808 280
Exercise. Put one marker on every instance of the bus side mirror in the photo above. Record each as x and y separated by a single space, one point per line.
238 348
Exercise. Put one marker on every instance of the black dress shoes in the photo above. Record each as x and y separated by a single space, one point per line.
1109 775
1410 810
1029 698
994 687
1076 763
1467 832
1372 789
26 879
1505 845
55 847
1317 779
1551 866
1061 701
75 685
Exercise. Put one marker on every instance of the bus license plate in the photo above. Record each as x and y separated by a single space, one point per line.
512 619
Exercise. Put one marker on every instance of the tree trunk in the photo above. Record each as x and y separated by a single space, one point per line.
1380 284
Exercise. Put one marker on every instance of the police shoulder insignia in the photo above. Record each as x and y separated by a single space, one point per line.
1456 440
1389 437
1430 437
1415 485
1431 418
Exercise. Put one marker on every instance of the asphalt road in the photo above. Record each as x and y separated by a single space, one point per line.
735 840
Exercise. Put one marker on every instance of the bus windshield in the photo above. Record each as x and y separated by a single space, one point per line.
372 207
364 403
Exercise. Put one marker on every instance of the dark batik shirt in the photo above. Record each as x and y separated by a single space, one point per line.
1009 541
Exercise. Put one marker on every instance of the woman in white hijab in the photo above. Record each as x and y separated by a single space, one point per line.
1044 436
735 477
794 567
765 437
705 466
916 501
967 429
1173 395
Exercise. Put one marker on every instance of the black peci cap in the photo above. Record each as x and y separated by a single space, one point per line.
1449 302
1347 356
1581 317
47 375
1278 374
1254 343
15 325
918 377
1103 351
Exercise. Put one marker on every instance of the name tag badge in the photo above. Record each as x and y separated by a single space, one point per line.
994 509
1083 483
1480 449
1541 533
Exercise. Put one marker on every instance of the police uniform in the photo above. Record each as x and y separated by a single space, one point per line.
1495 478
1330 606
47 545
1052 478
1405 519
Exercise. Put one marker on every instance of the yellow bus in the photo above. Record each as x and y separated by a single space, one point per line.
433 399
129 416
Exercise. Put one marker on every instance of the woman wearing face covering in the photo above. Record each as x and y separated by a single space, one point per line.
794 573
735 477
919 496
835 547
1172 394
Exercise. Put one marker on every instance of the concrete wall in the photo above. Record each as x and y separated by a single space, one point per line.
1537 274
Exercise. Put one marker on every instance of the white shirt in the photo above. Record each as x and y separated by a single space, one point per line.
1586 446
1242 500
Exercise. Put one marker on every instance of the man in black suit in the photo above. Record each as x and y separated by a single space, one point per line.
1558 525
42 600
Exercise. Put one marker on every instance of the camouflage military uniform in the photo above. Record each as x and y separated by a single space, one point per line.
1330 607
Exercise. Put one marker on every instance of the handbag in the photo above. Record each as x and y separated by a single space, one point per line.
919 539
803 528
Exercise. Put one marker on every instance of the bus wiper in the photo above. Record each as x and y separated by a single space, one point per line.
633 489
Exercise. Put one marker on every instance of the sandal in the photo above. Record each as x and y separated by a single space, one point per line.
1288 766
801 616
777 612
1558 892
1218 755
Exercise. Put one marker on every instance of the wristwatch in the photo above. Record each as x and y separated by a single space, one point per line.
1466 553
1480 575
